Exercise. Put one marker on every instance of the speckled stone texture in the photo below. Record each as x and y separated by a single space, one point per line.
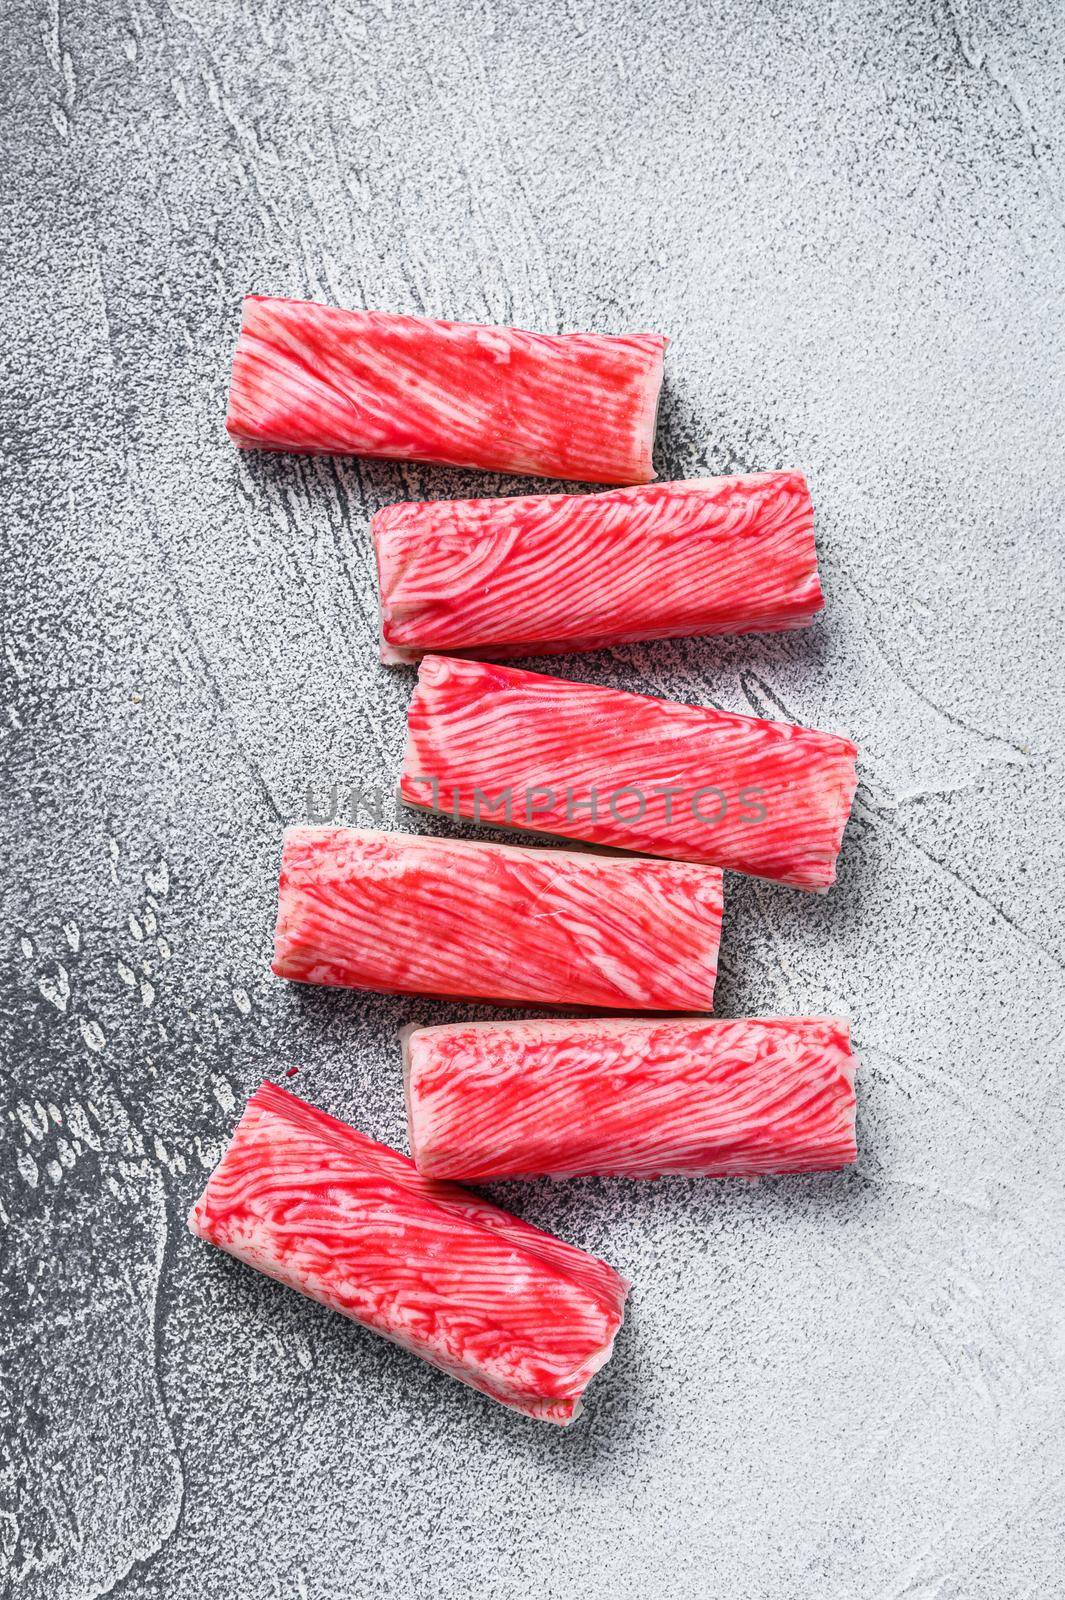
851 220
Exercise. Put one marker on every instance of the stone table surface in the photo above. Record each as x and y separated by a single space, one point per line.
850 218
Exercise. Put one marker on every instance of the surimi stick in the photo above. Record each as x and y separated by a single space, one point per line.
419 915
541 574
637 1099
499 745
312 379
511 1311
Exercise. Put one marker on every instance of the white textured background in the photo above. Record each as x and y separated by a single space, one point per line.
851 220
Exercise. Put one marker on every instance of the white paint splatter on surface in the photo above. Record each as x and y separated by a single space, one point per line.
93 1035
55 987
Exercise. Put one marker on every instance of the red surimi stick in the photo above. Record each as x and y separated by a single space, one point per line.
542 574
636 1099
319 381
511 1311
417 915
523 750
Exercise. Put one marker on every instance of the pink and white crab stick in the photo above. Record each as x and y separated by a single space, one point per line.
703 1097
509 1310
319 381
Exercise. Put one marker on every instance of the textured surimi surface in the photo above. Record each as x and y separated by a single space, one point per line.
521 749
417 915
635 1099
549 573
320 381
312 1202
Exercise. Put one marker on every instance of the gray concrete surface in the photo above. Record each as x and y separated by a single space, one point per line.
850 219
